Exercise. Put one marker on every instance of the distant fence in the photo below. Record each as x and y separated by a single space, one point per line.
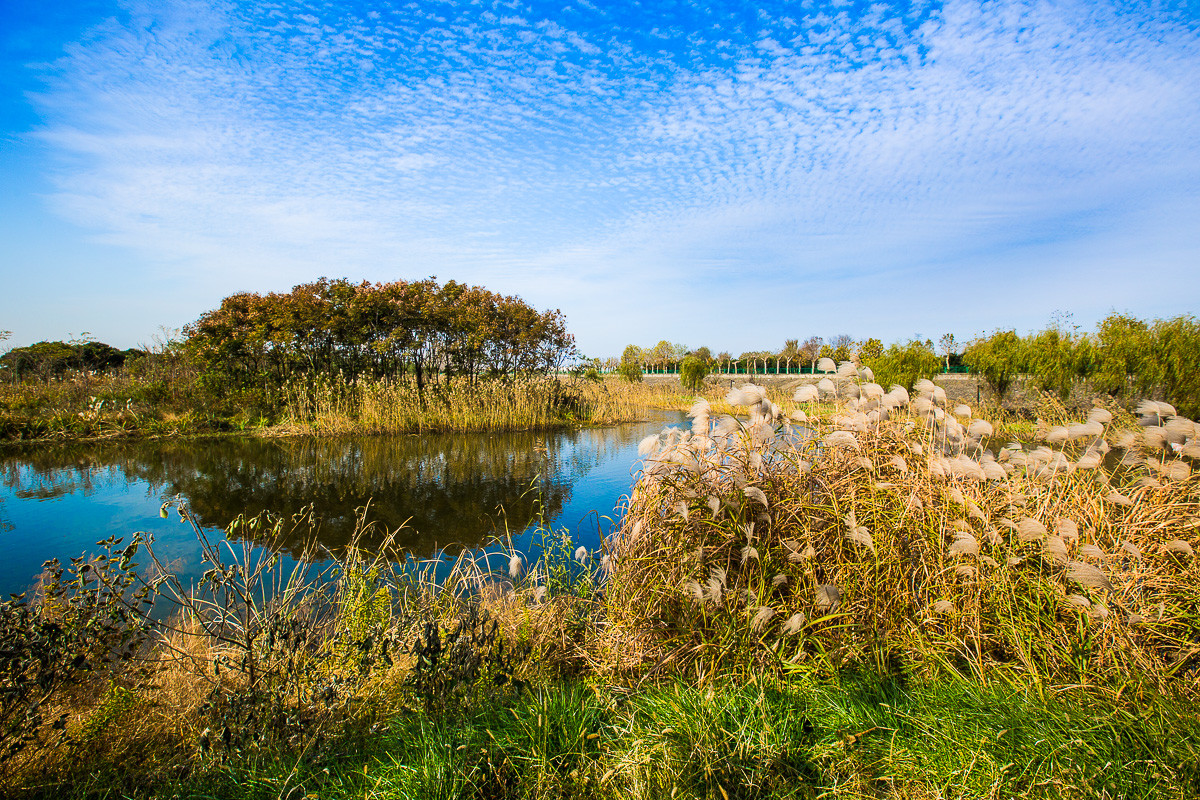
770 369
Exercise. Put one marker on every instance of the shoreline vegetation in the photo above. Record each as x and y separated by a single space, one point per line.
848 592
103 407
334 357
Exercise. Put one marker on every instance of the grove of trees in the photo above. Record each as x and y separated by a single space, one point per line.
1125 357
424 329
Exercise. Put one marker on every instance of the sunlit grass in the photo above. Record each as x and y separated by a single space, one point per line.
841 593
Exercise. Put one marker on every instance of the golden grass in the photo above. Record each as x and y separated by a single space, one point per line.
925 554
394 406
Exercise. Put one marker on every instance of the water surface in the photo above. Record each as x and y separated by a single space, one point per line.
444 491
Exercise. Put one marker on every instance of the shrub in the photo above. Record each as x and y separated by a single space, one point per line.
998 359
630 367
692 373
904 364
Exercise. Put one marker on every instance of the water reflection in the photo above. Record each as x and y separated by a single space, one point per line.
448 491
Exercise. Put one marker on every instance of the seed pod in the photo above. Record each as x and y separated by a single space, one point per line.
1087 575
944 607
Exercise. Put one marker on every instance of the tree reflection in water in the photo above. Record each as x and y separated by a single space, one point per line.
448 491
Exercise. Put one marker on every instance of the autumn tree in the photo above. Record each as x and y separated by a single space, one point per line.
630 367
948 347
811 350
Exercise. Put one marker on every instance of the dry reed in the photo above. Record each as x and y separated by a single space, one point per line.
939 550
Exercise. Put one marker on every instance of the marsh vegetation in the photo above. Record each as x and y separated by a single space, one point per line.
852 592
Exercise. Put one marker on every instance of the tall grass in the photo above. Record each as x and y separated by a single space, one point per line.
871 603
117 404
377 406
882 534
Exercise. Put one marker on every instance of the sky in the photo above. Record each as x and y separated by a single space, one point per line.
715 174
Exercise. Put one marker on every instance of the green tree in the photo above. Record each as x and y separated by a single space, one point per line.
1122 347
841 347
630 367
44 360
1055 359
811 350
998 359
693 372
425 329
949 347
1175 369
905 364
870 351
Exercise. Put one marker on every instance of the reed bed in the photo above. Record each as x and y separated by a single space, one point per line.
845 593
383 406
855 526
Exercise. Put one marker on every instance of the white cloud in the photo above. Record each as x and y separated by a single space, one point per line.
840 166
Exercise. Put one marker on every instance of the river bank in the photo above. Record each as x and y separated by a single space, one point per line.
853 607
114 407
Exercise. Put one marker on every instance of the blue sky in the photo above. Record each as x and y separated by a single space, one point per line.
720 174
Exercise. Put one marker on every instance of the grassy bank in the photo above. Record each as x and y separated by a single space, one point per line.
117 405
870 604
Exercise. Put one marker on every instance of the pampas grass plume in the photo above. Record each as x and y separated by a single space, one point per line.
862 537
1067 529
1056 549
646 446
841 439
806 394
756 494
794 624
761 618
944 607
1119 499
1178 547
1087 575
1030 530
828 596
965 545
979 428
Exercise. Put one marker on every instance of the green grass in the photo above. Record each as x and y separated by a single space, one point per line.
850 735
853 735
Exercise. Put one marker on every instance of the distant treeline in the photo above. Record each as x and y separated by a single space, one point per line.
45 360
420 328
1125 357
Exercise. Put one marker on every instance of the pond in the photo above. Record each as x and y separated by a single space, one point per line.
444 491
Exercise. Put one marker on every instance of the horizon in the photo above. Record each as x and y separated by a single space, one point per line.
728 176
